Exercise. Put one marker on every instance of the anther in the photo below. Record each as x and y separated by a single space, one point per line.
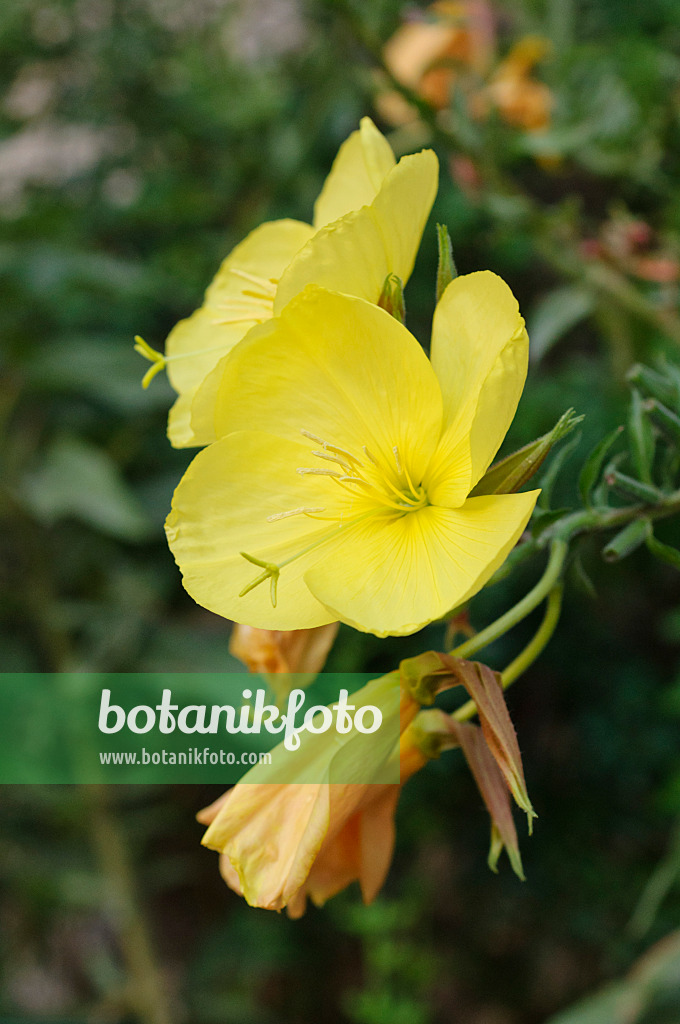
313 437
333 458
395 450
303 471
368 455
293 512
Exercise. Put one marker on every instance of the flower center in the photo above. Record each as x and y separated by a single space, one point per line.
385 487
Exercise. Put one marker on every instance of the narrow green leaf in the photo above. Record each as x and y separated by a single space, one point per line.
593 464
642 440
446 267
666 420
550 476
512 472
664 552
634 489
627 540
654 385
555 314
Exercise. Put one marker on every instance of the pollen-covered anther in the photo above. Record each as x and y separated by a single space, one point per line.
314 471
293 512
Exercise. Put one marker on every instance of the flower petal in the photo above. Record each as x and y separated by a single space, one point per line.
377 836
358 171
271 863
233 304
342 369
392 577
355 254
480 354
220 508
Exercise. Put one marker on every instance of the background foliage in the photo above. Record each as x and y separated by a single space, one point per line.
141 139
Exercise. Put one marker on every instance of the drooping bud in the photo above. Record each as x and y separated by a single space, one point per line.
278 654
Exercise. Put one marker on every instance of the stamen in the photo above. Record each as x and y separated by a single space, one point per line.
268 284
313 437
343 451
293 512
239 320
368 455
251 302
395 450
333 458
302 470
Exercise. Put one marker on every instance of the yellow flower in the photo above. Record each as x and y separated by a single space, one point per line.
350 492
283 842
368 221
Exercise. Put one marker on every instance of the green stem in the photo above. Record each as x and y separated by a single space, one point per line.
536 646
528 656
558 553
147 991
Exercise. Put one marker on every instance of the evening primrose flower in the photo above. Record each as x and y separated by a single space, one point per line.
283 842
348 497
368 221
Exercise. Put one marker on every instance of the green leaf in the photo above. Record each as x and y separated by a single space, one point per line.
593 464
664 552
627 540
77 480
549 479
555 314
512 472
642 440
446 267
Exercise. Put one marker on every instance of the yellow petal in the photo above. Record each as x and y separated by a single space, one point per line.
341 369
358 171
355 254
393 577
234 302
220 509
480 354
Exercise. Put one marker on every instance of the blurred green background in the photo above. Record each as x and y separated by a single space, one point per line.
141 139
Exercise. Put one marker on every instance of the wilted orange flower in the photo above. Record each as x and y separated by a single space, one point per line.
449 43
521 100
279 654
284 842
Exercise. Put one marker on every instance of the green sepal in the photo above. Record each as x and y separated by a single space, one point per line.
627 540
446 266
512 472
593 464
